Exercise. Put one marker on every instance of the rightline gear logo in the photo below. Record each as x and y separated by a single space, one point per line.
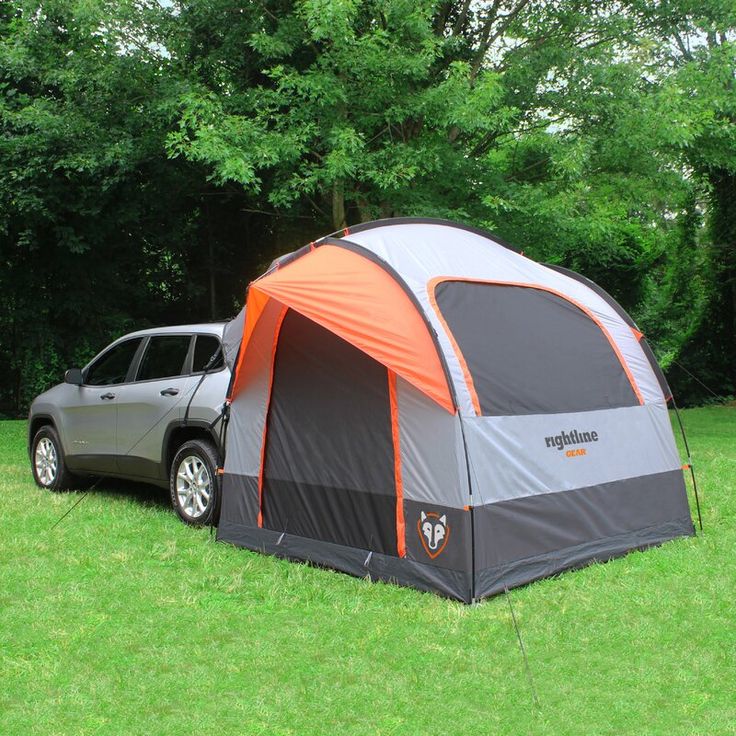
574 437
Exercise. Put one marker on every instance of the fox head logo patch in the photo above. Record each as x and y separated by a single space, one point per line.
434 533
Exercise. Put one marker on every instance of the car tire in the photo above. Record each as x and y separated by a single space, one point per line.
48 462
193 483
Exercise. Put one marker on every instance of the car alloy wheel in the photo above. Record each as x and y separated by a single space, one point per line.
46 461
193 483
193 487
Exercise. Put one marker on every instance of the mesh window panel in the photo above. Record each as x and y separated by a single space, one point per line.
532 352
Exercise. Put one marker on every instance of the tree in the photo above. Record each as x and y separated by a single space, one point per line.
144 144
374 108
527 117
695 45
99 230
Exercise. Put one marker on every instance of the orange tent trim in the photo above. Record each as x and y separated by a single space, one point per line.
396 439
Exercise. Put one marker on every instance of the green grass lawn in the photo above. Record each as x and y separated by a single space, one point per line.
121 620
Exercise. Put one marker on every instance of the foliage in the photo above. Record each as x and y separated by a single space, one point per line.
695 46
155 156
99 231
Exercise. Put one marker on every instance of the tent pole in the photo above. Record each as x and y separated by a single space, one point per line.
471 509
689 460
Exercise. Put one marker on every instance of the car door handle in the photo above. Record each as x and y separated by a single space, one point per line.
170 392
107 396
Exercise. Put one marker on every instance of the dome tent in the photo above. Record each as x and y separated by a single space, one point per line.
417 402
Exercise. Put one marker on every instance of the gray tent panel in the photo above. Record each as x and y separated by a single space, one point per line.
540 524
493 580
231 338
240 499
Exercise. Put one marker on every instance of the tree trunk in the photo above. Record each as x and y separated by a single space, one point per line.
213 281
338 206
211 265
364 210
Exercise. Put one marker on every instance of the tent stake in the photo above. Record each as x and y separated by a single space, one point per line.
535 699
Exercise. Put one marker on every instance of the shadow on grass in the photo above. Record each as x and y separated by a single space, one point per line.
135 492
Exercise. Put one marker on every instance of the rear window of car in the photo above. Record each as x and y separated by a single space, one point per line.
164 357
206 348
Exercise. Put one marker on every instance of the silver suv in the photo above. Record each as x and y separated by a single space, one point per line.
145 409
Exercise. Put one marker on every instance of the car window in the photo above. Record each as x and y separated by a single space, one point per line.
205 348
164 357
112 366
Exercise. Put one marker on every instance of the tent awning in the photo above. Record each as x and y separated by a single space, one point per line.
356 299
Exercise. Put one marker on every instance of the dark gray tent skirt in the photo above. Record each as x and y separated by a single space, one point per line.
516 541
494 580
359 562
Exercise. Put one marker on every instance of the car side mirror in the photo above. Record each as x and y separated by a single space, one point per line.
74 376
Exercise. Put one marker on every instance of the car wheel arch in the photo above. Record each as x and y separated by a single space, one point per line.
35 423
177 433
